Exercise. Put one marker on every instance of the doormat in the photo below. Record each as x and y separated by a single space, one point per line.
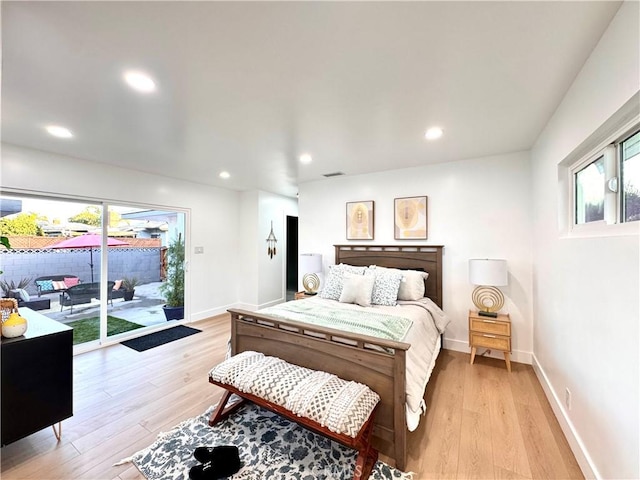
156 339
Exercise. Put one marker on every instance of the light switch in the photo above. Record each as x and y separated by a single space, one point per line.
198 250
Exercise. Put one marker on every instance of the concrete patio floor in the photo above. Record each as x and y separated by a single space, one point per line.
145 308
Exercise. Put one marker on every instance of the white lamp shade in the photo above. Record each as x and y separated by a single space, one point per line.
485 271
310 263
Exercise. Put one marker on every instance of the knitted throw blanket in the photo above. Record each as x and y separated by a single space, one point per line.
363 322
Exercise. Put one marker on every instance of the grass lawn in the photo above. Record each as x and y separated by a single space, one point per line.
88 329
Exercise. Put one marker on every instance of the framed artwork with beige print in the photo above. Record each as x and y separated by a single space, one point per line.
410 218
360 220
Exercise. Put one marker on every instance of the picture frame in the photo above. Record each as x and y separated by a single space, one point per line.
410 218
360 220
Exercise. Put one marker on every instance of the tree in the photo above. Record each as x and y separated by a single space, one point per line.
21 224
173 288
91 215
631 203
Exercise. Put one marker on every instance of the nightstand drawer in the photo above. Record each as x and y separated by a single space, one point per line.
490 341
490 326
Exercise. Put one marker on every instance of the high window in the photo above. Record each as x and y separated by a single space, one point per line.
599 181
606 185
630 178
589 192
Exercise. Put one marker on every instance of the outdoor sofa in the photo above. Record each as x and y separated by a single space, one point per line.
85 293
55 283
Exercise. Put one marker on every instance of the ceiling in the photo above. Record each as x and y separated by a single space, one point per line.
247 87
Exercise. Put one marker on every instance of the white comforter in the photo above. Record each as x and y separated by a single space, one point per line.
429 321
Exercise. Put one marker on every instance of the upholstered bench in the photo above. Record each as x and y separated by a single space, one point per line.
319 401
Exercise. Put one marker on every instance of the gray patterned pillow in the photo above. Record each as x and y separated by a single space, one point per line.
411 285
335 280
385 287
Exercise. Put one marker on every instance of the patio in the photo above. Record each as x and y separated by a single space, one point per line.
145 308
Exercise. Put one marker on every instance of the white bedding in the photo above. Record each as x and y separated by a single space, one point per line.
429 321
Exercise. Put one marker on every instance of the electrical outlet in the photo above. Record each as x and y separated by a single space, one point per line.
567 398
198 250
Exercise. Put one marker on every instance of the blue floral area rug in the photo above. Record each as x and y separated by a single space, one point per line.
271 447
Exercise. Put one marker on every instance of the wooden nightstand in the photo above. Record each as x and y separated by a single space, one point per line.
301 295
488 332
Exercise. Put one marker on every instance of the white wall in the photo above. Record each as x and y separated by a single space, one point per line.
248 285
273 208
215 213
262 282
586 291
476 208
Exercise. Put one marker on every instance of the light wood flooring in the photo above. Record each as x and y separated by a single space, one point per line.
482 422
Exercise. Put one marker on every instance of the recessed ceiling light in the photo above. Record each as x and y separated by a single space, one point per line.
433 133
140 81
225 175
305 158
58 131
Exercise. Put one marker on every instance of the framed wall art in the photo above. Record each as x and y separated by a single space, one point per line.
410 218
360 220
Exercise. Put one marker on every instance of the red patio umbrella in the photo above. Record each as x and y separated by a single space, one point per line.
90 241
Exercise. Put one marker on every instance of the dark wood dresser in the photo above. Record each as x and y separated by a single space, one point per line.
37 377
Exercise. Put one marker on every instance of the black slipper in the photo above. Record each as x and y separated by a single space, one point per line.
203 471
220 453
224 460
209 471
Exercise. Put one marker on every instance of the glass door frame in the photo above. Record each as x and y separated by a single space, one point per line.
104 204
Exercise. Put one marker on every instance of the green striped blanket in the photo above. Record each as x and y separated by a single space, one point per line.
378 325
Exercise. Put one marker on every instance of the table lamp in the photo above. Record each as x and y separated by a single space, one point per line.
488 274
310 265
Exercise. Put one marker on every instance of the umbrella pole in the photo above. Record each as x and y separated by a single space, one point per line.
91 262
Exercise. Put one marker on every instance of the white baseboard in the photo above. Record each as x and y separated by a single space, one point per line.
583 458
463 346
252 307
212 312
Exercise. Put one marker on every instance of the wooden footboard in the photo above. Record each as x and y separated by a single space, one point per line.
377 363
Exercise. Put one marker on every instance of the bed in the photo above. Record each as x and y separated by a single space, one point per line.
379 363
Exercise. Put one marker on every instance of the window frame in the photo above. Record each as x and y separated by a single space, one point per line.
620 153
604 142
573 172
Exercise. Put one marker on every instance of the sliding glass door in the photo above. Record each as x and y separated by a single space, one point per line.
98 268
138 269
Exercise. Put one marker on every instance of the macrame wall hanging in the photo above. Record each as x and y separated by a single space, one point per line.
271 242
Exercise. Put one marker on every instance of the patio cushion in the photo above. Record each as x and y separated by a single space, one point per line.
71 281
21 294
45 284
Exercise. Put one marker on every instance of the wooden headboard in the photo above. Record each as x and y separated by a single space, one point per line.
426 258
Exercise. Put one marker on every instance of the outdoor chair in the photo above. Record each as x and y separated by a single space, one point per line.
83 293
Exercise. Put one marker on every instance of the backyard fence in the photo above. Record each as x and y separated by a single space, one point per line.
29 257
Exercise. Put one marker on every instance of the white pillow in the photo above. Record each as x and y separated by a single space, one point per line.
357 289
412 285
22 294
334 281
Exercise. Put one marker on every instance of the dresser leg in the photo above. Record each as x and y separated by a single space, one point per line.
473 354
57 433
507 361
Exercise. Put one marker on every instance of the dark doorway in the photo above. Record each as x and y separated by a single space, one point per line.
292 254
